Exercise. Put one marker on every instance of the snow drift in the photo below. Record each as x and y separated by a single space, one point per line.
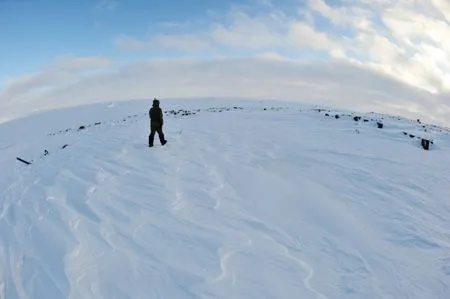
247 200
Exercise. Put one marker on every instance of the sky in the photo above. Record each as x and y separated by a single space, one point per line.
389 56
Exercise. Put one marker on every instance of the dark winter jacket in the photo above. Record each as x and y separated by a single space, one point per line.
156 116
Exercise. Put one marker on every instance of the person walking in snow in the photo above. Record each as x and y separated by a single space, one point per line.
156 123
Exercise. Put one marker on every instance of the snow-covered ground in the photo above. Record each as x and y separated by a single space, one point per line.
243 202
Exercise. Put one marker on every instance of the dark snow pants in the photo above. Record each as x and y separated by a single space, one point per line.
156 128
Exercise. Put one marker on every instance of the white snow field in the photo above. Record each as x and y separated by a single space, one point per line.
242 202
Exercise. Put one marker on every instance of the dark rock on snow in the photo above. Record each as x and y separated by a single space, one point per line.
425 144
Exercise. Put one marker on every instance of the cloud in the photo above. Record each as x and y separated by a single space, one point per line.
62 72
352 16
106 5
402 38
302 35
179 42
247 32
79 64
335 83
240 31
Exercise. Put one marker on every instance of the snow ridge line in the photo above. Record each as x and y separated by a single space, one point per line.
183 113
172 112
304 265
308 268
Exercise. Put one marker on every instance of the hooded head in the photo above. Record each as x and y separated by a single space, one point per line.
155 103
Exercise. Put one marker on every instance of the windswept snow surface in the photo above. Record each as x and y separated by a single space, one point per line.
241 203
